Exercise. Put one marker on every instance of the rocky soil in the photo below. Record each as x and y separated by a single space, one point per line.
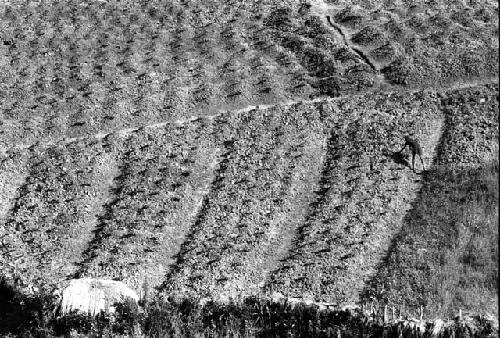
247 149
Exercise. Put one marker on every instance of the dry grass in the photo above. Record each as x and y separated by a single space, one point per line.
32 317
446 256
469 276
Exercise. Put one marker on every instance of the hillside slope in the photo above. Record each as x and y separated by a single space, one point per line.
214 151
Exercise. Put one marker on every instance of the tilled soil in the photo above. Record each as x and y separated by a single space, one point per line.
300 199
268 157
438 250
56 208
360 200
417 45
226 150
157 192
98 67
83 68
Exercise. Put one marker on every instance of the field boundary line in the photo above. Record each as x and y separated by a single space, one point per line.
125 131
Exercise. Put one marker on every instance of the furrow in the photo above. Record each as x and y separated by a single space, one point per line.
304 166
231 239
13 173
361 199
54 215
164 176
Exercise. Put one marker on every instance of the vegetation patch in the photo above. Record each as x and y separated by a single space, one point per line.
254 317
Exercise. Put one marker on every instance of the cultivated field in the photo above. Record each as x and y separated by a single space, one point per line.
202 150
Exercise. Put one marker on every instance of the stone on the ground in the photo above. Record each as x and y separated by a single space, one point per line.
89 295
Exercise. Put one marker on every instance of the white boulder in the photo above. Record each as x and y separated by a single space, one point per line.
89 295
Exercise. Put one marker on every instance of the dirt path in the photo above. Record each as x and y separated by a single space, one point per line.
123 132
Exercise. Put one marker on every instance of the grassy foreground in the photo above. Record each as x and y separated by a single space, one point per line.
446 258
37 316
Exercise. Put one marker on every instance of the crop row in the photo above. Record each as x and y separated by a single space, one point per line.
163 176
80 69
256 235
301 199
419 45
112 207
50 221
360 200
85 68
248 216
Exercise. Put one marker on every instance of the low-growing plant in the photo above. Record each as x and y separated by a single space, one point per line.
253 317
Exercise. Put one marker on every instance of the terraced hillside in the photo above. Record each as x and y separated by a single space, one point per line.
82 68
208 150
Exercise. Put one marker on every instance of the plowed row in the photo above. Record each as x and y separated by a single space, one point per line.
244 223
421 45
300 199
55 208
128 149
360 201
82 68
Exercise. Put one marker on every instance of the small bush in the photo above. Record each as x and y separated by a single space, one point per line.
188 318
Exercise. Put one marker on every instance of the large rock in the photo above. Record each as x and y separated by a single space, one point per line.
92 296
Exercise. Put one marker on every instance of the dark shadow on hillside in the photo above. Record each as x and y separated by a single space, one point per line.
440 256
20 314
23 316
321 193
101 231
396 157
